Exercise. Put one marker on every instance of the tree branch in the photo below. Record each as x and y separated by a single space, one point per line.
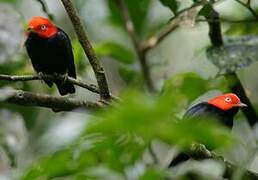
248 6
137 45
55 103
14 78
173 24
88 49
198 151
234 82
45 9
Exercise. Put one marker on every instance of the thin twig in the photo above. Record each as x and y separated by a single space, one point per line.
248 6
88 49
90 87
137 45
42 100
173 24
45 9
198 151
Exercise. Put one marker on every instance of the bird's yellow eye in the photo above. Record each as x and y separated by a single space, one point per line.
43 27
228 99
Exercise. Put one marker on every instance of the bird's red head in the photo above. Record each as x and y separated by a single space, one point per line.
42 27
226 102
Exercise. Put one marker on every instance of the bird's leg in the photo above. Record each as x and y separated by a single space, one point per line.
41 76
63 77
199 151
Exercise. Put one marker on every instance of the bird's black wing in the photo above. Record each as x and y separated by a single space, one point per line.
198 111
65 45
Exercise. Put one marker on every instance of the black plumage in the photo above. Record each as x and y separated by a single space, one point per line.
205 111
52 56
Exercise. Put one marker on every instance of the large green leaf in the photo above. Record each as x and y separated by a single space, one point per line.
115 50
239 29
171 4
244 28
238 53
191 85
148 118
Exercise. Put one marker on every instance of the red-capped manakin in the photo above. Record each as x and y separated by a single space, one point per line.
50 51
222 108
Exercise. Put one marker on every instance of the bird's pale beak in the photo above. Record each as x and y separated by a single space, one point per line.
29 30
241 105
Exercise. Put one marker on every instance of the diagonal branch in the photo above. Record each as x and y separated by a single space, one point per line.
42 100
45 9
88 49
248 6
173 24
137 45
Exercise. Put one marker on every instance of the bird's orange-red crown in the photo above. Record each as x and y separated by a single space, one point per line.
41 26
226 101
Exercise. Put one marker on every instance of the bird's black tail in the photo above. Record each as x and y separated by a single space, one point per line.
65 88
180 158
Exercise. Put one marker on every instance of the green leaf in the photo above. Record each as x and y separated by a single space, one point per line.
115 16
148 118
190 85
239 29
171 4
238 53
130 75
115 50
205 10
8 1
153 174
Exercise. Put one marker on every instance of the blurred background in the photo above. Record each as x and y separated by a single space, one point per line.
35 141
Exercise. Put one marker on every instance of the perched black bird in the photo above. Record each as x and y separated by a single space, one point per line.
221 108
50 51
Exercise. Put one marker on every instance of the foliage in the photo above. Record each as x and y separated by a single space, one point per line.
238 53
116 51
117 137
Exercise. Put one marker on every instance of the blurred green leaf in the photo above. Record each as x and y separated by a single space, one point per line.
190 85
115 16
245 28
60 164
131 76
115 50
238 53
171 4
150 118
152 174
9 1
205 10
239 29
79 56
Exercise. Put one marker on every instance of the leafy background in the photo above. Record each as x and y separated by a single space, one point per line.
37 143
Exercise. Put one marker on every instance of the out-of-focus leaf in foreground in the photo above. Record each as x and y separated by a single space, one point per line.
117 137
238 53
149 117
